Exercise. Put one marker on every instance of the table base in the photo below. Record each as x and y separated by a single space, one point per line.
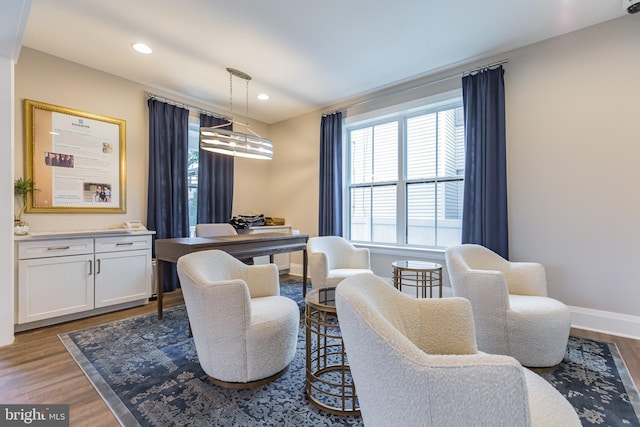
329 384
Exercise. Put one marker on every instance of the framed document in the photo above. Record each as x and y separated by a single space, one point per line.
75 159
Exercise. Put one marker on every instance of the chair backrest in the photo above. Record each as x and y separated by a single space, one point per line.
212 266
414 361
478 257
464 261
339 250
216 229
215 294
393 313
473 275
521 278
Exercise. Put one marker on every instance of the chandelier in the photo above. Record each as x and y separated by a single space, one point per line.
232 143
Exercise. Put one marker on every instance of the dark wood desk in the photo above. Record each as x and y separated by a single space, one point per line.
240 246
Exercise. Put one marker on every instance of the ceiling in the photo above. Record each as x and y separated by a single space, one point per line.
305 55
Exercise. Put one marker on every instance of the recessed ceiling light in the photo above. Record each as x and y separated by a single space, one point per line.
142 48
263 97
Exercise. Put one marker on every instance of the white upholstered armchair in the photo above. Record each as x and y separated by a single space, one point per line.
415 363
245 333
215 229
333 258
513 314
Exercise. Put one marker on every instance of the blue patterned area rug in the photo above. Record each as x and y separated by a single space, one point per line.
147 372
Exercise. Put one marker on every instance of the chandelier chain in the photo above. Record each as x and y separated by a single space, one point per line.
246 114
246 78
231 95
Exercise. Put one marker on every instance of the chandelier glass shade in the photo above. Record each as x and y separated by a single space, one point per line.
233 143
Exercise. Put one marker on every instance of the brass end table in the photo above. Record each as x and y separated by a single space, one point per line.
329 384
420 275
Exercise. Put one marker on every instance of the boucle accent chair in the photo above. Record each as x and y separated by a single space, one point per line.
415 363
219 229
245 333
513 315
333 258
215 229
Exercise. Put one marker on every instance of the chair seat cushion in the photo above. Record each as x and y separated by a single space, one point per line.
337 275
272 337
548 408
538 329
543 306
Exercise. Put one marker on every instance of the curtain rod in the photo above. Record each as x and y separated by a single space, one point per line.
408 89
187 106
485 67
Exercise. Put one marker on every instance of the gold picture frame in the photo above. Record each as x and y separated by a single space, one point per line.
75 159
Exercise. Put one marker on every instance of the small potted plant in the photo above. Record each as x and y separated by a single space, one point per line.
21 188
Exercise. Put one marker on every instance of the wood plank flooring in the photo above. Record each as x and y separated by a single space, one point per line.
37 369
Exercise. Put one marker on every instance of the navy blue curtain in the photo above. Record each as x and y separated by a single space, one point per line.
484 217
168 199
215 180
330 211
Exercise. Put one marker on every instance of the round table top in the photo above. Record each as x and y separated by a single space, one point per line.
416 265
324 298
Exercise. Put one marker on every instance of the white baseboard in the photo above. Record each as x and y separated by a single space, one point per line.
295 269
607 322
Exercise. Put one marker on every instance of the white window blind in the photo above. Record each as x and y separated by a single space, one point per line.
406 177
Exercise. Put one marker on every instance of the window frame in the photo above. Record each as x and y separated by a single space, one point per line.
192 174
399 114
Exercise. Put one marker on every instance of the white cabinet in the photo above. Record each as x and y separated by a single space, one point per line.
56 286
122 269
63 278
281 260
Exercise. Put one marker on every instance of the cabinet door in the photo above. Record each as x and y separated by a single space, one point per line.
122 277
50 287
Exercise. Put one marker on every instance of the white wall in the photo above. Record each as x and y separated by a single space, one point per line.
573 145
6 193
573 148
44 78
294 170
81 88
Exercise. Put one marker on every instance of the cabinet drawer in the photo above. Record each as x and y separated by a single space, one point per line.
54 248
122 243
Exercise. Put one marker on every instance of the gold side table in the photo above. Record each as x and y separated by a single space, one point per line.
420 275
329 383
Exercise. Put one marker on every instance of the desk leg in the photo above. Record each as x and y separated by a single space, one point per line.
304 272
160 290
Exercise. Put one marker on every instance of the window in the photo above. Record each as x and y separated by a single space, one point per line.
405 177
192 172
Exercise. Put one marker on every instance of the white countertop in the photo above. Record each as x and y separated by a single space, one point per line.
40 235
